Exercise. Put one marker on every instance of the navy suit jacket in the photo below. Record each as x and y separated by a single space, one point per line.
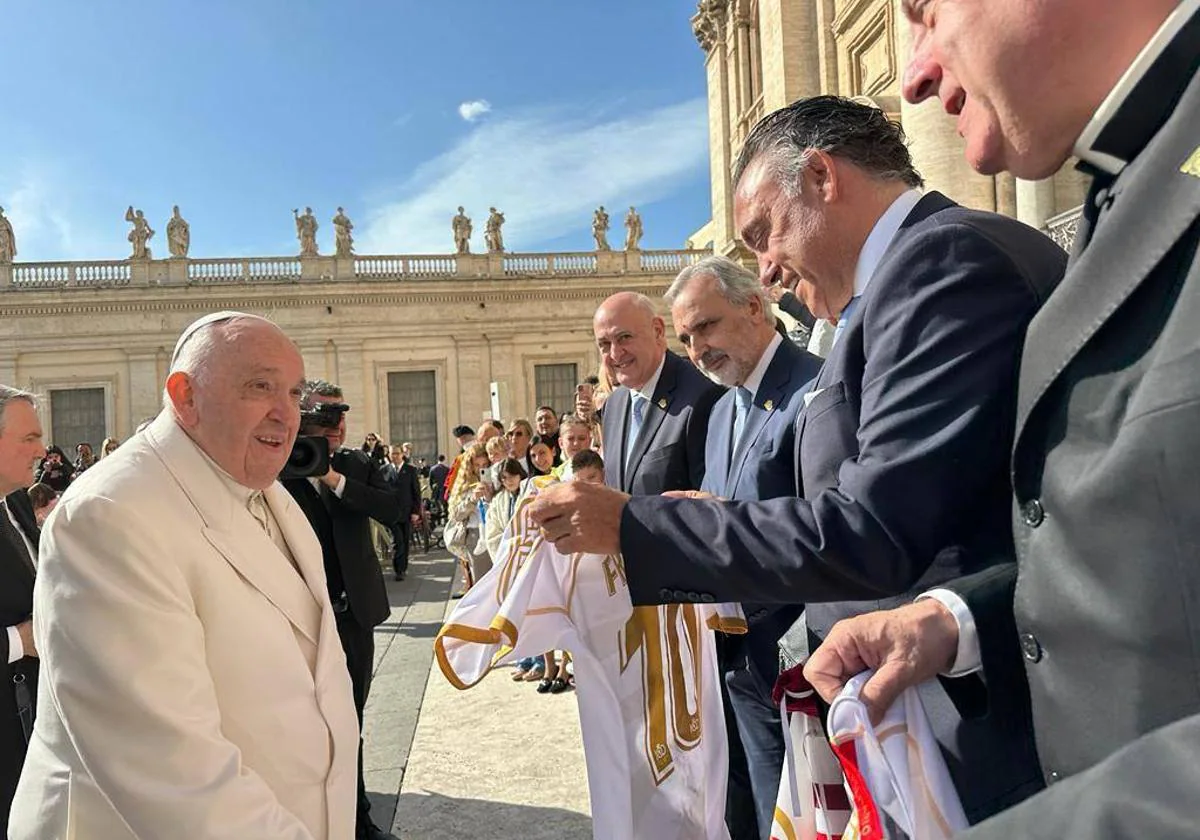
901 461
669 451
761 468
16 606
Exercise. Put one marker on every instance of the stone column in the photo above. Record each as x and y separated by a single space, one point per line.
790 42
470 265
611 262
6 276
317 268
709 26
937 150
352 378
473 396
8 369
1038 201
143 397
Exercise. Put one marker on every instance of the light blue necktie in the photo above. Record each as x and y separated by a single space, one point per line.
741 409
847 313
635 424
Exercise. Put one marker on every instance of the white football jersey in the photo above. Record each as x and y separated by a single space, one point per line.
649 700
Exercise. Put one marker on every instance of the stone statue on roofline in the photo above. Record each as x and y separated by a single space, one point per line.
461 226
8 240
179 235
633 228
491 233
306 231
343 240
139 235
600 229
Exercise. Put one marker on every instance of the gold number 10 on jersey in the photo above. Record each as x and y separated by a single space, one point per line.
669 640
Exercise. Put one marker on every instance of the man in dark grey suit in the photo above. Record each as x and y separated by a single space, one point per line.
655 423
1095 624
721 315
21 449
901 448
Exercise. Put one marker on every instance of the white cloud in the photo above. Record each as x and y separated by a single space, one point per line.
37 201
546 172
473 110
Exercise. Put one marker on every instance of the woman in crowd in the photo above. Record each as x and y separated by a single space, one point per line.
55 470
375 449
108 447
84 457
541 455
463 530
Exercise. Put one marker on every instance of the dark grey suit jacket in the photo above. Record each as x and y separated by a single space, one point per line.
900 460
16 606
669 451
761 468
1104 631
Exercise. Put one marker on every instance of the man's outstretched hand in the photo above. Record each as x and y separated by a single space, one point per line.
905 646
580 517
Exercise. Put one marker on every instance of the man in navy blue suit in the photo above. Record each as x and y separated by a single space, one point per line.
902 447
722 317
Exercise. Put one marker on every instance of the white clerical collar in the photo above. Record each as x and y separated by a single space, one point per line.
756 376
647 390
881 237
1116 97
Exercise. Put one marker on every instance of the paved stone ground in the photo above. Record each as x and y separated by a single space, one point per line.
499 761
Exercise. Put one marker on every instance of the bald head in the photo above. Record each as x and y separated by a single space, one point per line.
631 338
235 388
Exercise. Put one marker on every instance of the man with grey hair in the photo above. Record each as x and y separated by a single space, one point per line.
722 317
195 682
21 449
902 446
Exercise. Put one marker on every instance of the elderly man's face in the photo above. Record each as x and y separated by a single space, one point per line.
631 342
547 423
21 446
723 340
793 239
989 62
245 412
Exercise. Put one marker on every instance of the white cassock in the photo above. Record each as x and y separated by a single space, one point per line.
192 681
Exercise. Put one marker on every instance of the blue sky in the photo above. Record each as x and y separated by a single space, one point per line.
240 111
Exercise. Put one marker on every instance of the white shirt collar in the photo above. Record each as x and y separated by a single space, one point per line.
881 237
240 491
647 390
755 378
1125 85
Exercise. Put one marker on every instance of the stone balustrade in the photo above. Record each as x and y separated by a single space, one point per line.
254 270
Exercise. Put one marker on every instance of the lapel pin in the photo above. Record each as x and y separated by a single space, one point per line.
1191 166
769 405
662 402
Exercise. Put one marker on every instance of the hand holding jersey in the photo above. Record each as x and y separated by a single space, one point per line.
650 710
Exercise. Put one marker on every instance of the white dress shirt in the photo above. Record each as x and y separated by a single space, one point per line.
968 659
754 380
647 390
16 648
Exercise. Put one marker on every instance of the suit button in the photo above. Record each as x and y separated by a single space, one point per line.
680 597
1031 649
1053 776
1033 513
694 597
705 598
665 596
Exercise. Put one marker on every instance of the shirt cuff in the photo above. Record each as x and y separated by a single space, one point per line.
967 660
16 650
341 486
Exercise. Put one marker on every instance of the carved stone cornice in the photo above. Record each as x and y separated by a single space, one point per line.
708 24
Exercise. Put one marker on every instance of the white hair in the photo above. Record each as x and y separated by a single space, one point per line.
8 395
734 282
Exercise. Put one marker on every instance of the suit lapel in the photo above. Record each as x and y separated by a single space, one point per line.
233 532
1154 203
655 413
766 402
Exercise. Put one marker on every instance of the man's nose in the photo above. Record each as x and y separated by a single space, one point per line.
923 75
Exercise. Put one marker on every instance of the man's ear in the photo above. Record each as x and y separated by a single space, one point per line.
182 393
660 329
823 176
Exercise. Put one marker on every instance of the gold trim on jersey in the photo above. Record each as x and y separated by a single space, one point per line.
785 824
726 624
